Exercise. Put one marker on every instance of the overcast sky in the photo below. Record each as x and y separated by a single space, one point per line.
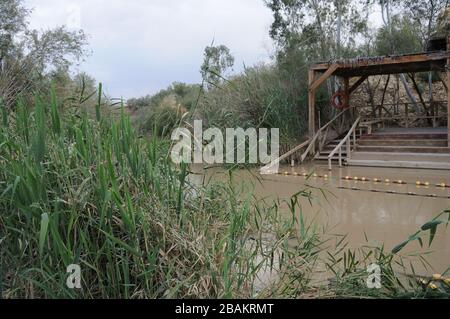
141 46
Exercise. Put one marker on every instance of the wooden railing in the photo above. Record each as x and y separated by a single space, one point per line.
318 141
320 137
346 140
404 114
268 169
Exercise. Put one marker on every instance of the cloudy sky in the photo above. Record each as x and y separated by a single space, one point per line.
141 46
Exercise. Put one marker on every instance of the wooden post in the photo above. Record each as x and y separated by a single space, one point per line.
349 148
311 103
433 112
347 96
448 95
346 92
406 115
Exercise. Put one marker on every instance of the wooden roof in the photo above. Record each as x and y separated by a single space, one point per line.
411 63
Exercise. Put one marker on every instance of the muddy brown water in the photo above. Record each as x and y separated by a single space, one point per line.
380 217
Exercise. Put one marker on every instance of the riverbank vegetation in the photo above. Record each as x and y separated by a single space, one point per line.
90 191
87 180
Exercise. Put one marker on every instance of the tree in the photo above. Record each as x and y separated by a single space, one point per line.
324 29
424 14
398 37
12 21
217 60
28 56
316 30
390 27
56 48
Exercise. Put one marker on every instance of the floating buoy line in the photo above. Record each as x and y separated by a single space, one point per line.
433 281
303 174
399 182
393 192
365 179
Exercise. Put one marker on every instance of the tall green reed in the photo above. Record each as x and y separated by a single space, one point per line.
77 190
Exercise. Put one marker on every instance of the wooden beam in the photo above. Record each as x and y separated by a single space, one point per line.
311 103
387 60
321 67
401 59
420 62
323 77
357 83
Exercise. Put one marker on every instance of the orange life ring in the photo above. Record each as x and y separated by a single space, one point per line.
336 100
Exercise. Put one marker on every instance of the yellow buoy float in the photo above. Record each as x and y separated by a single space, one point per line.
432 286
437 277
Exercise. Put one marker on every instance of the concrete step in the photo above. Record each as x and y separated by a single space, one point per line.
404 149
327 152
400 142
401 164
336 142
325 157
398 159
398 156
329 149
405 136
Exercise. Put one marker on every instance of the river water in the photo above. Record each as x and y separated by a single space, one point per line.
368 212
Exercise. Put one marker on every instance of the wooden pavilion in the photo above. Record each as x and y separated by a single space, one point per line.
373 140
358 70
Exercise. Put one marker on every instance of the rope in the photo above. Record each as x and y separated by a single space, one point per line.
392 192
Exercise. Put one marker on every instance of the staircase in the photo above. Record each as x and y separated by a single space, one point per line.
387 147
328 148
324 153
408 148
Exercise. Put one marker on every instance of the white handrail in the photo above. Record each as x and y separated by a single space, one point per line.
310 143
319 132
267 169
346 139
